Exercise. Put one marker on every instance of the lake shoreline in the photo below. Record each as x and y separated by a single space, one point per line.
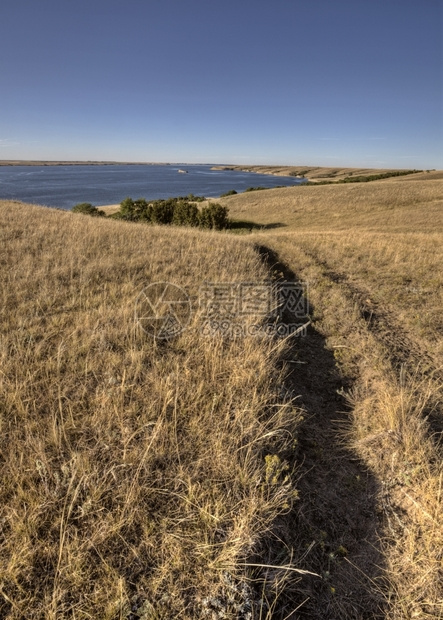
102 185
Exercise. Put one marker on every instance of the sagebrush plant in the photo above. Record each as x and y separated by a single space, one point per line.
133 472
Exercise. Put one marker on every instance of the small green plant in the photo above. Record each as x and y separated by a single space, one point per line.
231 192
275 470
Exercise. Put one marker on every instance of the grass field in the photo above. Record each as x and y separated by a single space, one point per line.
215 477
372 255
388 205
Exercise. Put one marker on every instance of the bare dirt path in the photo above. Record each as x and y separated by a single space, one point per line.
336 524
370 473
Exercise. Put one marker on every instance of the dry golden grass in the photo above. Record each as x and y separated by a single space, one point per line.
396 396
133 473
384 237
109 209
400 274
378 205
372 255
426 175
396 413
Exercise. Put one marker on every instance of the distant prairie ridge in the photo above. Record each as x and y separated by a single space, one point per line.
312 173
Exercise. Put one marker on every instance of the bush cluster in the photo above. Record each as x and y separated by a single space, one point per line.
180 211
87 209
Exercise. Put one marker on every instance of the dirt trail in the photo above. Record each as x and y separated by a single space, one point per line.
356 525
336 523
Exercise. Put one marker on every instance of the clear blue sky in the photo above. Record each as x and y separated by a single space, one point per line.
318 82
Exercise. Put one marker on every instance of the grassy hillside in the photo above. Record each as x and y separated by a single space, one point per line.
372 255
376 300
215 477
135 474
392 205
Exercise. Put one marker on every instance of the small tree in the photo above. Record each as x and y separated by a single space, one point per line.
87 209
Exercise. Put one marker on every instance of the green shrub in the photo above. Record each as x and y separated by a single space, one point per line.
87 209
134 210
185 214
180 211
162 211
214 216
188 198
230 193
193 198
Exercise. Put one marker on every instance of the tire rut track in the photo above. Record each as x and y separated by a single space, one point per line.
403 349
407 358
335 527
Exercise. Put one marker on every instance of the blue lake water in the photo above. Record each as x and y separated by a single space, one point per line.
65 186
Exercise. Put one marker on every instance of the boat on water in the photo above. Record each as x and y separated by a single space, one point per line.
183 171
